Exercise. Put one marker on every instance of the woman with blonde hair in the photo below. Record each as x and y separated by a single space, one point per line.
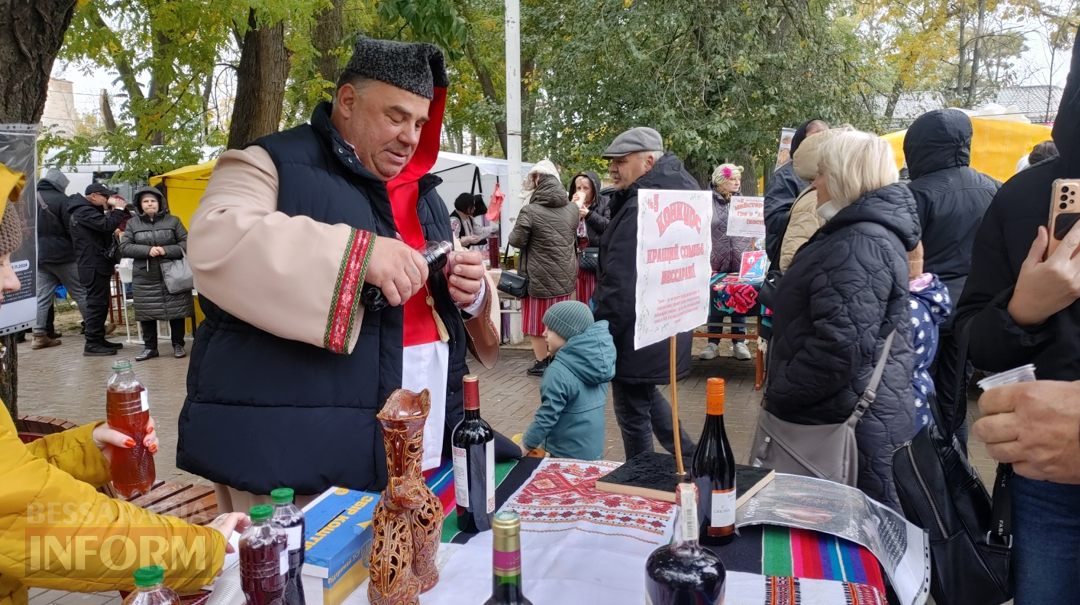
726 256
844 294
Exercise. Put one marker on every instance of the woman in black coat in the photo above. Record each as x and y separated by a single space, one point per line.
152 236
844 293
595 213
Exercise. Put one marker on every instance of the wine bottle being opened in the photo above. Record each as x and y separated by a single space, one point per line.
713 471
473 446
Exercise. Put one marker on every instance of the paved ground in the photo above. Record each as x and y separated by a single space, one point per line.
60 382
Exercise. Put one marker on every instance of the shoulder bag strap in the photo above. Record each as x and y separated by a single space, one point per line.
870 394
45 207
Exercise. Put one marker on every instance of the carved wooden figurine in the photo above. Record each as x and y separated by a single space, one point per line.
408 520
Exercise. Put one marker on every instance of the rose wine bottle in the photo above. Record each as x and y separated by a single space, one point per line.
683 571
713 471
506 578
473 446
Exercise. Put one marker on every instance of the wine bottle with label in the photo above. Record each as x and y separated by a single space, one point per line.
506 577
473 445
683 571
713 471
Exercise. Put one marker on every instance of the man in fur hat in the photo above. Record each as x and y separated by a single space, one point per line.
288 371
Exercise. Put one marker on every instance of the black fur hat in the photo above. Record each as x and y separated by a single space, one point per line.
416 67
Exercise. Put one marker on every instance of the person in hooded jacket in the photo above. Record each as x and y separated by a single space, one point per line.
1021 309
573 393
56 256
152 236
92 229
638 162
952 199
545 232
780 192
726 256
595 216
844 293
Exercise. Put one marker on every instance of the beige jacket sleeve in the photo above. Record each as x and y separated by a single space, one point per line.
802 225
291 276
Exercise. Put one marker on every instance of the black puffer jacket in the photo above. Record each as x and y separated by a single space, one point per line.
1001 246
727 251
546 233
616 281
54 241
92 235
951 197
596 221
152 299
846 290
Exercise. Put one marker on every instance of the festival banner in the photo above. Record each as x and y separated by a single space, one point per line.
673 270
746 217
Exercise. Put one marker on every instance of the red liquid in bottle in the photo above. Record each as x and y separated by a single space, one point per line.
264 560
127 410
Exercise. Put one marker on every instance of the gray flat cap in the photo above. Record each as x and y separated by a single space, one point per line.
416 67
641 138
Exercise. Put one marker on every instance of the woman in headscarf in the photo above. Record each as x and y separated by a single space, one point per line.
595 216
727 254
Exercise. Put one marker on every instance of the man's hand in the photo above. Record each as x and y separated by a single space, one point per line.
466 271
1035 426
396 269
109 439
117 202
1045 287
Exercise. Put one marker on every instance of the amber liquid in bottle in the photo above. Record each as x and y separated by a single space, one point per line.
713 471
127 410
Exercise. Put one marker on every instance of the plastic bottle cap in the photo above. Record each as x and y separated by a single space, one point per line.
714 396
261 512
121 364
149 576
282 495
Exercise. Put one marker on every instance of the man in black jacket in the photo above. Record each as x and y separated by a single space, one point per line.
637 162
1021 309
92 233
951 199
782 189
56 255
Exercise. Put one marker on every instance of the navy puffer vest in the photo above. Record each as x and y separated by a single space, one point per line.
263 412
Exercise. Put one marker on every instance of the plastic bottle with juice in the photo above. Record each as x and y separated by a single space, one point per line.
149 589
264 559
127 409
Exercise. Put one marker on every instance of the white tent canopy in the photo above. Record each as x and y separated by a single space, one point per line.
471 174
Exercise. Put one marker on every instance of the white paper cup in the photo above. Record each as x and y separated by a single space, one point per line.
1024 373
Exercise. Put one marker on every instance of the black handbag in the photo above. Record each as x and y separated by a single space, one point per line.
589 260
511 283
970 533
767 292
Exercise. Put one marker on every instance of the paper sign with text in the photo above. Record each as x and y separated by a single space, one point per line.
746 217
673 271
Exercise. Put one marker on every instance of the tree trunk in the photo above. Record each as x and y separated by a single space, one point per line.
749 185
107 117
31 34
976 56
893 99
962 49
326 36
487 84
260 83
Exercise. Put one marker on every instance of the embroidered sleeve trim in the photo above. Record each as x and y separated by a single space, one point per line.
346 300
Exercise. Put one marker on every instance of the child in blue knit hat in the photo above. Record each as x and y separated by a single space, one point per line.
573 391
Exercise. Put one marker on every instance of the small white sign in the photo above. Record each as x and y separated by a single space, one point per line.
746 217
673 271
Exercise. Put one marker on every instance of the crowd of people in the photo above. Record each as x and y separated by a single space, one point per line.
871 267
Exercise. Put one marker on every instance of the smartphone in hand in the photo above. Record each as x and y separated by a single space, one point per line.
1064 211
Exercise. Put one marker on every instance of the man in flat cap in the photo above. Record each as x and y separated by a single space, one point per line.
638 162
288 371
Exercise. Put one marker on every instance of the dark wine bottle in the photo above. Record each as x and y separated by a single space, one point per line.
506 576
683 571
713 471
473 445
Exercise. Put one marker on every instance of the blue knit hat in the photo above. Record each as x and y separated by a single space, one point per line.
568 318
